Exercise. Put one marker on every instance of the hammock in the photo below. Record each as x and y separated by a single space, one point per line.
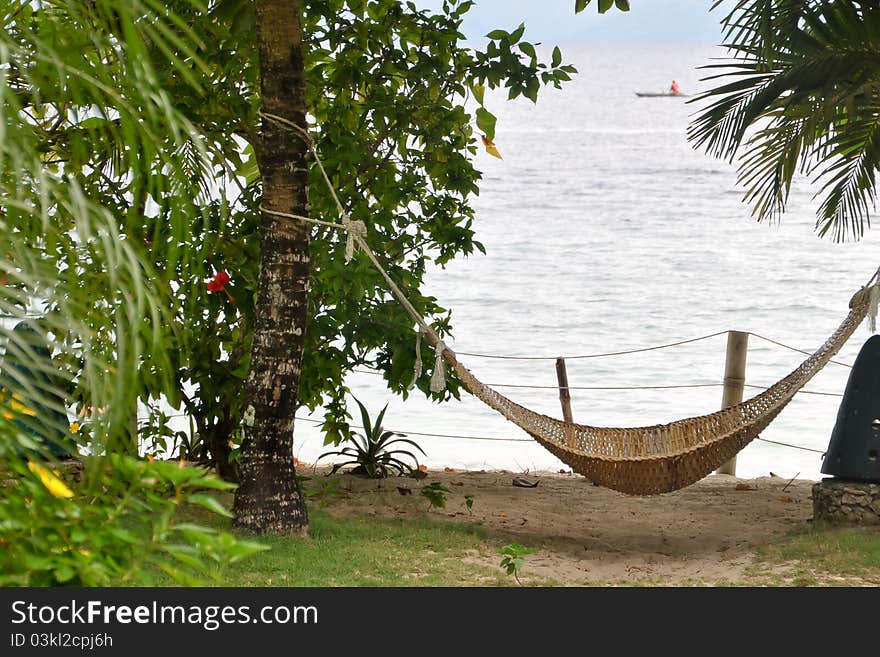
639 460
664 457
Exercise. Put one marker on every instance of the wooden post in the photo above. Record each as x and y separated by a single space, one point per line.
564 395
734 380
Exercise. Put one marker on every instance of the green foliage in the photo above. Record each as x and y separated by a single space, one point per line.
512 560
116 527
387 87
800 97
130 180
601 5
102 175
436 494
319 487
371 452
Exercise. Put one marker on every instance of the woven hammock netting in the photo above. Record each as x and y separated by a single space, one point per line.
664 457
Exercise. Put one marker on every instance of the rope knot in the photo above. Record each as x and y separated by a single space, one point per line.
438 378
417 370
354 228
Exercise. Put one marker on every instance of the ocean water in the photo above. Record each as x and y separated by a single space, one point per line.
606 231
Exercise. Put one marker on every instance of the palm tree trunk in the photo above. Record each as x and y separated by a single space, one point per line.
269 499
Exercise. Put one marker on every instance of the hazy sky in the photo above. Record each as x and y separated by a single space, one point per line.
554 21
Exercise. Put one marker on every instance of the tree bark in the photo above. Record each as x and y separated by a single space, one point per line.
269 499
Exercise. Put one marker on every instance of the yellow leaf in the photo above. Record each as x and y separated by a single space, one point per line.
14 406
490 147
479 91
52 483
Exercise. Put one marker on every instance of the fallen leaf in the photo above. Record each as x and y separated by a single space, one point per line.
745 487
456 483
423 468
448 469
403 490
524 483
786 499
490 147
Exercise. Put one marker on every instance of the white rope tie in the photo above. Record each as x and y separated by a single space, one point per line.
873 301
352 227
438 378
417 370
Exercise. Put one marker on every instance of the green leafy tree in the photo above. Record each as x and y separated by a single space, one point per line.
800 97
100 176
387 86
398 111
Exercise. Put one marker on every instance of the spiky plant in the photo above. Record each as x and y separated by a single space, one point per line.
371 453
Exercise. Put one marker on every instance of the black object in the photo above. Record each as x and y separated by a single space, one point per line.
854 448
45 423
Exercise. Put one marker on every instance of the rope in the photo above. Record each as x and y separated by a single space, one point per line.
668 387
356 230
776 442
805 392
509 440
529 440
690 385
436 435
610 353
780 344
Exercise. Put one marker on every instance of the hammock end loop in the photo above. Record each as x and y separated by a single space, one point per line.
354 228
873 301
438 378
869 295
417 369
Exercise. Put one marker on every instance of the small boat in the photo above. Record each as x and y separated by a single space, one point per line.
659 94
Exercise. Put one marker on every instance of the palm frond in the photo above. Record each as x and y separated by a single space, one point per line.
800 98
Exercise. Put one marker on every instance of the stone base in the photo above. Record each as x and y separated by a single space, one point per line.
846 502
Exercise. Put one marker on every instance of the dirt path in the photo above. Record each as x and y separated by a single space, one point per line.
705 533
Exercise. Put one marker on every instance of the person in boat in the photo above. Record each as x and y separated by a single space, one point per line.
674 89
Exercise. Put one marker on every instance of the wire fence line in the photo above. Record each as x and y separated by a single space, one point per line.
529 440
597 388
599 355
496 438
632 387
641 350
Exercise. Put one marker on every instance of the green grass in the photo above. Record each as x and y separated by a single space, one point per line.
823 556
425 551
359 552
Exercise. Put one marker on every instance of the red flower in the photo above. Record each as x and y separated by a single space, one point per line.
219 282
